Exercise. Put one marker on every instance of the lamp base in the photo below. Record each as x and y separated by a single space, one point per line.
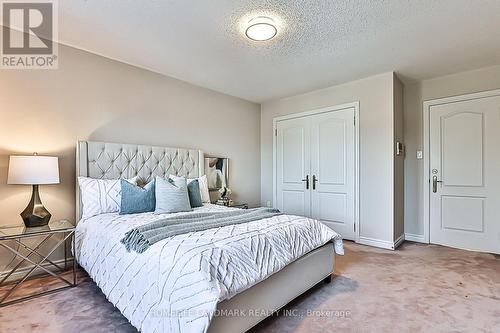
35 214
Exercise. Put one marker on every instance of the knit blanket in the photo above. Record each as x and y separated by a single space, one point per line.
139 239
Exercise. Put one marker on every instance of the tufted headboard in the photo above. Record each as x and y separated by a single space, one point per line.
105 160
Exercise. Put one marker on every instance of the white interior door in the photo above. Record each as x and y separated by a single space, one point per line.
332 169
315 168
293 166
465 174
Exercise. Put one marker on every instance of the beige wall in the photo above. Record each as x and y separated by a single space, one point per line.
398 97
93 98
415 93
375 95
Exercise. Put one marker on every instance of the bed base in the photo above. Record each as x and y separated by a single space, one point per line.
270 295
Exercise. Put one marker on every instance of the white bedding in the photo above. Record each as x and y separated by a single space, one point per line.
176 284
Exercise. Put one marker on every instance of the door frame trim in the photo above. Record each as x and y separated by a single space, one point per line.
426 195
339 107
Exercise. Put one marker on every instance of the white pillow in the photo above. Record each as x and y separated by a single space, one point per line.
203 182
101 196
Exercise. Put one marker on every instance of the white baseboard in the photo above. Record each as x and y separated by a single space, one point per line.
415 238
376 242
399 241
382 243
22 271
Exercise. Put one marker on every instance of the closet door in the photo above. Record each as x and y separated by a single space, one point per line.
293 167
333 170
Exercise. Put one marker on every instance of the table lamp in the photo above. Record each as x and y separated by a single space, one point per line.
34 170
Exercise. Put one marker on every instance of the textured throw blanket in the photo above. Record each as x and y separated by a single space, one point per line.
141 238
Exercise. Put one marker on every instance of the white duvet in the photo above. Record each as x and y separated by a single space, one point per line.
176 284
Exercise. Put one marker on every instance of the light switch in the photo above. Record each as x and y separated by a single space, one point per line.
420 154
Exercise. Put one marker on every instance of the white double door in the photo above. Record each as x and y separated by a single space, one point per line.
315 168
465 174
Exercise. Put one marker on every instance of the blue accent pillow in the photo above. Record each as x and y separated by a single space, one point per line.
171 196
194 194
137 199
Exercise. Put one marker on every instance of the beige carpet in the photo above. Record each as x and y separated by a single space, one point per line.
418 288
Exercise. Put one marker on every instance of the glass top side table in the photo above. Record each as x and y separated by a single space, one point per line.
234 204
41 236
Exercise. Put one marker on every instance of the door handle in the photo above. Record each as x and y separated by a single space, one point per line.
307 182
314 181
435 182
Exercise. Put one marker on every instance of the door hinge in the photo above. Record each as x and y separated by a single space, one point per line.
354 227
275 132
354 120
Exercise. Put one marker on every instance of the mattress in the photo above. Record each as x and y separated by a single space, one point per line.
176 284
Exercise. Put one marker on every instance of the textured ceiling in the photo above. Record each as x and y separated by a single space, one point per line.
319 43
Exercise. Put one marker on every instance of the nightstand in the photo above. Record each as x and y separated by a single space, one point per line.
234 205
39 236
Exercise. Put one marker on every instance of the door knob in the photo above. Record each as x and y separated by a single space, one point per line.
314 181
307 182
435 182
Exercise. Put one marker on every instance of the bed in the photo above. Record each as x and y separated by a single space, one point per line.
219 280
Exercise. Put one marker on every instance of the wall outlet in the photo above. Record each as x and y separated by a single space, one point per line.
268 204
420 154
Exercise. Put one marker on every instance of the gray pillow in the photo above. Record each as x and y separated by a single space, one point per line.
137 199
194 194
171 196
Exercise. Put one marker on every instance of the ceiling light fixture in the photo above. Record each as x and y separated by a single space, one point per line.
261 28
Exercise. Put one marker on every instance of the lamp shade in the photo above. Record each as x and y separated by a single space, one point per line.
33 170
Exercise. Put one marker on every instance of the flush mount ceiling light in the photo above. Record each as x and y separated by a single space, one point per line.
261 28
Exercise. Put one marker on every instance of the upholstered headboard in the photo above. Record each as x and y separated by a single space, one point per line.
105 160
